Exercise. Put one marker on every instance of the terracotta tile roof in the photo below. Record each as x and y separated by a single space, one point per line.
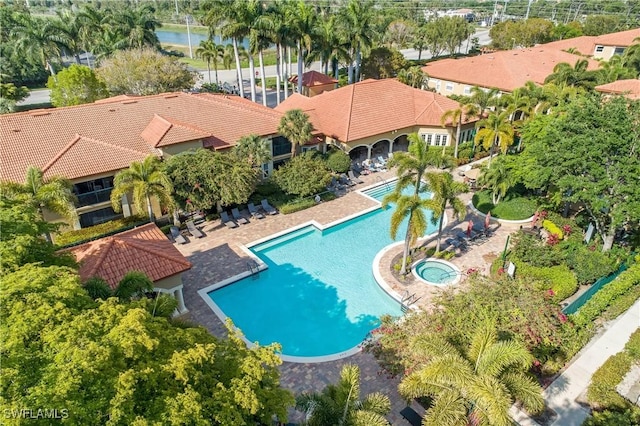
621 38
144 249
630 88
583 45
506 70
313 78
369 108
122 125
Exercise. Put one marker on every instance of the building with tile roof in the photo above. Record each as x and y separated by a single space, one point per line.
145 249
630 88
583 45
374 117
89 143
504 70
608 45
314 83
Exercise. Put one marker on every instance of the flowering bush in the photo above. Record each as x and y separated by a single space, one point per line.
567 229
552 228
553 239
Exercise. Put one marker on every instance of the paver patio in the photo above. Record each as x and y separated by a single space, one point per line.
218 256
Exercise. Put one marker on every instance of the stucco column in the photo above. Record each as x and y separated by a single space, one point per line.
179 297
391 142
368 152
76 222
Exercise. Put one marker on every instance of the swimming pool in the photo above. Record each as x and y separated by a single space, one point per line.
436 272
318 296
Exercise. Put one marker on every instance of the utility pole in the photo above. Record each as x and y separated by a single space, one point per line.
528 10
504 9
177 11
188 18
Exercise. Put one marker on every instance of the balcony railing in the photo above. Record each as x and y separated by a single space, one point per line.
95 197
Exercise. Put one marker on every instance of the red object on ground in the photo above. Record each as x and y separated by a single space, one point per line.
469 227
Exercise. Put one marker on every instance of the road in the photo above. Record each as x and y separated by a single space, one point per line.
229 76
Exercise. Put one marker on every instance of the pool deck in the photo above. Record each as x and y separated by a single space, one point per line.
218 256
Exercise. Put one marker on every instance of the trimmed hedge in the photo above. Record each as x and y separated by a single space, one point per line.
296 206
98 231
607 296
559 278
602 390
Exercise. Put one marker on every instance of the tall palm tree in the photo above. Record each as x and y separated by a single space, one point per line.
340 404
54 194
411 208
138 26
91 23
70 26
445 193
40 38
476 386
254 149
615 69
632 56
483 99
144 180
209 51
277 31
496 129
498 179
302 17
358 19
296 127
413 76
227 16
457 116
578 75
410 167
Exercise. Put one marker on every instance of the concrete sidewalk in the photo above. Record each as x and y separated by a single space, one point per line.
561 395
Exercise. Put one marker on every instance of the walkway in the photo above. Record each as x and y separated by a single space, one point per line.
563 394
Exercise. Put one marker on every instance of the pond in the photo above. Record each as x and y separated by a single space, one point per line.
181 38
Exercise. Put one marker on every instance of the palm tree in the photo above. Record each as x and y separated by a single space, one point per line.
138 26
498 179
91 22
445 193
302 17
210 52
615 69
340 404
413 76
254 149
457 116
483 99
632 56
144 180
277 32
40 38
70 26
54 194
296 127
496 129
476 386
358 19
578 75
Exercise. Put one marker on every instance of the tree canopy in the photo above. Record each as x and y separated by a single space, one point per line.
303 175
145 72
587 152
76 85
204 179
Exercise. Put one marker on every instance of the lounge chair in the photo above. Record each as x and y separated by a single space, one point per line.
382 161
236 215
177 236
346 181
457 244
411 416
268 208
226 220
354 178
193 229
255 213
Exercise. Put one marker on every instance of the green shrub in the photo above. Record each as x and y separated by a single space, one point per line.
303 175
98 231
607 296
267 188
621 304
166 229
98 288
558 278
602 390
338 161
512 207
553 228
530 249
630 416
297 206
589 265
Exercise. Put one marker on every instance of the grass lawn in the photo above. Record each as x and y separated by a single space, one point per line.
512 207
269 57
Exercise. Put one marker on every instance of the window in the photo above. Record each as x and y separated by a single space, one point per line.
309 148
467 90
449 87
437 142
98 216
93 191
281 146
428 138
444 140
599 49
618 51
